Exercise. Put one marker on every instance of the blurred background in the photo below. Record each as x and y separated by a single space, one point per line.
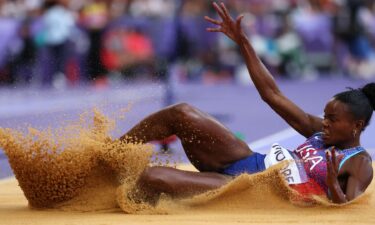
61 43
61 57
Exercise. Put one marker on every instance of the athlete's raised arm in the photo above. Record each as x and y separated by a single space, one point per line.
302 122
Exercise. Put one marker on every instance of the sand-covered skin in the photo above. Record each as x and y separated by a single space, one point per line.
78 168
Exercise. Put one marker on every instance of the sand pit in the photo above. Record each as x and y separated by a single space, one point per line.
77 175
238 208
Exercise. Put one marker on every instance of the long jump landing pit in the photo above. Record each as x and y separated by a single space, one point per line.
239 208
90 182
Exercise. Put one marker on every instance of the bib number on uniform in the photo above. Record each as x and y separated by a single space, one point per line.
290 172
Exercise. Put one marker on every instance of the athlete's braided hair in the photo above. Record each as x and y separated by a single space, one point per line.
361 102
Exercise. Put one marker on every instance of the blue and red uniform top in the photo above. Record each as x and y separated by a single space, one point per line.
309 168
312 164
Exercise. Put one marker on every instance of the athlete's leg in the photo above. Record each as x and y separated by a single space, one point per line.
208 144
176 183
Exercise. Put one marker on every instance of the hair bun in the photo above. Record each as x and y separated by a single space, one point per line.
369 91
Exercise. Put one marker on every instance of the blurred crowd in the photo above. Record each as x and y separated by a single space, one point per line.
58 43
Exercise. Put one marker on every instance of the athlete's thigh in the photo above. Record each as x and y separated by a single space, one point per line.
208 144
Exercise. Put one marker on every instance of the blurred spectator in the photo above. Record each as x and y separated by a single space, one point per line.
289 47
153 8
350 30
19 9
128 52
314 27
8 30
294 38
194 8
118 8
23 55
94 18
198 50
57 26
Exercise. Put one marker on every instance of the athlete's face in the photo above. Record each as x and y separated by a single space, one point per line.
339 125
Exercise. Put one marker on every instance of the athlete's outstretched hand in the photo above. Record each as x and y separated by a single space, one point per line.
230 27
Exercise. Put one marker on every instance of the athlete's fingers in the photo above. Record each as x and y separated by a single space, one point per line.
328 160
238 22
218 10
209 19
328 154
213 29
331 171
225 11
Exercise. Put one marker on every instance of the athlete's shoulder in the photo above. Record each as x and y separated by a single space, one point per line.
365 155
360 166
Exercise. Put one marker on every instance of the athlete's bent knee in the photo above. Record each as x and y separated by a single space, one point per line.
183 109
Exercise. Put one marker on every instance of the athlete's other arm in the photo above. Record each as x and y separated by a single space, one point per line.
356 174
302 122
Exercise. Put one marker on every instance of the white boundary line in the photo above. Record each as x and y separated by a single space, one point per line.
268 140
276 137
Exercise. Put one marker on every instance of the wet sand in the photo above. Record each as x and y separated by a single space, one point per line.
231 209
